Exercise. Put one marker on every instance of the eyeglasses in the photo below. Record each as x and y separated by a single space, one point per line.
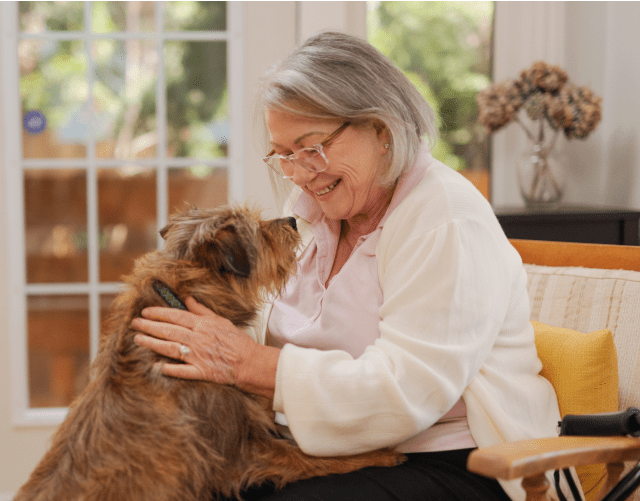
313 158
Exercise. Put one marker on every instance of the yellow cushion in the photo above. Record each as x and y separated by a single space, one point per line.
583 369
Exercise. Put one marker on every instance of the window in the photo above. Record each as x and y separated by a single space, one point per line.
445 50
118 113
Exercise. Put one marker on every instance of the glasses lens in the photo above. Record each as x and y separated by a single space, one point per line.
278 164
312 159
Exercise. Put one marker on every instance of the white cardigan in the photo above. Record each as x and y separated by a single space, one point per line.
454 322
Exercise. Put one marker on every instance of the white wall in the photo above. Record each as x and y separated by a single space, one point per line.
350 17
603 48
269 35
598 44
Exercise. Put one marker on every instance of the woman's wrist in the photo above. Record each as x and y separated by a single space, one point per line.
258 371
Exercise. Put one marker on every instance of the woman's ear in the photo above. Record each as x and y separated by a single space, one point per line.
384 137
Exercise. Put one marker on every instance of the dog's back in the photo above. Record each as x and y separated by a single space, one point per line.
146 444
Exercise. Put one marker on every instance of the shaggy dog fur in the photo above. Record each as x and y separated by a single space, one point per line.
134 434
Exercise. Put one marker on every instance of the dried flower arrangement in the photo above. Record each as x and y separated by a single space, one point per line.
550 102
546 94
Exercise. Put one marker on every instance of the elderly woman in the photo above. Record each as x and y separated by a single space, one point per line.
407 325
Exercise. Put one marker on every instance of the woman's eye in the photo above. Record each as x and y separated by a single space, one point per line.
309 153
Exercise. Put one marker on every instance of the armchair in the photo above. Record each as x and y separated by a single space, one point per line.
578 288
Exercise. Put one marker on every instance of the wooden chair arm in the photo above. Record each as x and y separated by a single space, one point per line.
530 458
609 257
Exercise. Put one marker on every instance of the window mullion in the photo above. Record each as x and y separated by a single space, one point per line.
236 160
72 288
81 163
209 36
93 226
161 125
15 214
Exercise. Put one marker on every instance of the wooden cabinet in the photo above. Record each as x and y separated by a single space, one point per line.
600 225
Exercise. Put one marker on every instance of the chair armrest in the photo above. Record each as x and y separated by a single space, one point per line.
605 256
530 458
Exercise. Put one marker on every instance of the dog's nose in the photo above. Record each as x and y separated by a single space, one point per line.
292 222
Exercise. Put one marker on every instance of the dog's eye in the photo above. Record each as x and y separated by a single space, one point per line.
225 253
237 262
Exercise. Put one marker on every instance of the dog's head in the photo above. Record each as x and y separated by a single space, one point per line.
235 243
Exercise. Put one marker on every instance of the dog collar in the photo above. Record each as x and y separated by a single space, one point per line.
170 297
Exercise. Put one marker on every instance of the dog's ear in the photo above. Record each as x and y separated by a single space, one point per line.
227 253
165 230
187 214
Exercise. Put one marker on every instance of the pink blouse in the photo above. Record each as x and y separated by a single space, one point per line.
345 314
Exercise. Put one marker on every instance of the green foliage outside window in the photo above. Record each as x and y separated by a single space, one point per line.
54 77
444 48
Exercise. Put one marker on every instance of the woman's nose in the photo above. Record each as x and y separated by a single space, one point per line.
301 175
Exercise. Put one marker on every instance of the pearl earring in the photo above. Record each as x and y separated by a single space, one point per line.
386 146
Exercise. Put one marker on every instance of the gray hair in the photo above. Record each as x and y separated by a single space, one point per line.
334 75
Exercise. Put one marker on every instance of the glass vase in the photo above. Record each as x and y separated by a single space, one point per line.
540 174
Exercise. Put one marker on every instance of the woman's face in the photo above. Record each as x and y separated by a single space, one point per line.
349 187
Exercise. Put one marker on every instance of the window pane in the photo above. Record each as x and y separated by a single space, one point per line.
199 185
197 99
58 342
56 225
444 48
127 218
135 17
125 98
198 16
36 17
53 83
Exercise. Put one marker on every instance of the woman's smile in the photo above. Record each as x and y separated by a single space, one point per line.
329 188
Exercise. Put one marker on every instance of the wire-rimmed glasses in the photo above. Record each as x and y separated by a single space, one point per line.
312 158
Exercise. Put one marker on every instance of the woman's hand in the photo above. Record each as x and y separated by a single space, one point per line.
211 347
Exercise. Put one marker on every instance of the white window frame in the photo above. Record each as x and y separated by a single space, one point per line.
18 290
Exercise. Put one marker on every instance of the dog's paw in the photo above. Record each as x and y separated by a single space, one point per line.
391 458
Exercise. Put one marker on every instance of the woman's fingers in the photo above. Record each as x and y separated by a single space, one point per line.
170 350
198 308
160 329
182 371
213 348
189 319
172 315
167 348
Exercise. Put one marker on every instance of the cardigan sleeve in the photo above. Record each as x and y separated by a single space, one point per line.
446 293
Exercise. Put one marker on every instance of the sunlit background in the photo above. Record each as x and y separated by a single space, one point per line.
445 50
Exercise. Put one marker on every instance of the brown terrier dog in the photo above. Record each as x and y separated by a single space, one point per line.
134 434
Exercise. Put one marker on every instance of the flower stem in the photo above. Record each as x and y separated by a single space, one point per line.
541 132
527 131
